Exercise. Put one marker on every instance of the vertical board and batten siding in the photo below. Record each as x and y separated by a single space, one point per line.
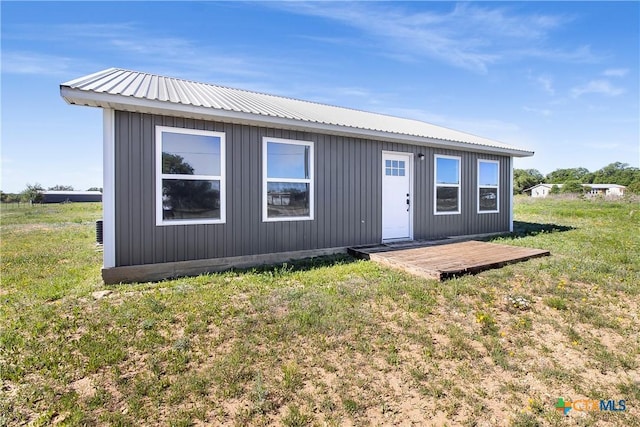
347 195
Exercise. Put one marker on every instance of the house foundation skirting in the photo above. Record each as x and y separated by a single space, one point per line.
154 272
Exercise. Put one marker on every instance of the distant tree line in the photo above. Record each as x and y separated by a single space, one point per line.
33 193
572 178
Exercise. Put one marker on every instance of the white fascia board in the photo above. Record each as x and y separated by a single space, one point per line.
140 105
108 184
511 196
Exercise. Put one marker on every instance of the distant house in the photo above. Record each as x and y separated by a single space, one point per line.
612 190
540 190
52 196
199 177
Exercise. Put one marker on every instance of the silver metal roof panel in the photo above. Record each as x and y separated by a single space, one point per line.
144 92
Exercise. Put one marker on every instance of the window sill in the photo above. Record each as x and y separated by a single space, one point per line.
189 222
290 218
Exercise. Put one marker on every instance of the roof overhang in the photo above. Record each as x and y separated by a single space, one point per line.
140 105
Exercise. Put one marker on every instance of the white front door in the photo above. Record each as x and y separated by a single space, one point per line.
397 197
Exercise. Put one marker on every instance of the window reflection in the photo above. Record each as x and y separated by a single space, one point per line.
287 199
190 181
447 177
287 160
189 199
488 185
447 170
199 154
488 174
488 199
288 177
447 199
394 168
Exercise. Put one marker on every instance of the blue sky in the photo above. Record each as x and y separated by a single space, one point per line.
559 78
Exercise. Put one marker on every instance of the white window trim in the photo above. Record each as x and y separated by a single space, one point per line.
497 187
265 179
160 221
436 185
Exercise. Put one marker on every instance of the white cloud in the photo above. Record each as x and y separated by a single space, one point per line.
603 87
35 63
468 36
134 47
579 55
547 84
616 72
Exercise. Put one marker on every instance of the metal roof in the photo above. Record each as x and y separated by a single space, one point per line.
604 186
143 92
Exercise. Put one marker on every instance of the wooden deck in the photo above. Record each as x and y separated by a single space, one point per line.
445 261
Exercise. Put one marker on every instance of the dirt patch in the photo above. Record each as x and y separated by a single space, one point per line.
84 387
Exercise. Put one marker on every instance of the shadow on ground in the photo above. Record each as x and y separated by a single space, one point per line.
302 264
525 229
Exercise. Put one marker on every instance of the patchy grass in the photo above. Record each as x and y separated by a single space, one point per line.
328 342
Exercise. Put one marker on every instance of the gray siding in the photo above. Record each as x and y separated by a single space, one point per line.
347 196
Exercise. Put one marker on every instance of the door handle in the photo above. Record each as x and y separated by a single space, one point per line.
408 205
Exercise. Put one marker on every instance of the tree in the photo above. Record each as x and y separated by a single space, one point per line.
95 189
9 197
554 190
33 193
525 178
61 188
184 198
573 187
616 173
560 176
634 187
174 164
13 198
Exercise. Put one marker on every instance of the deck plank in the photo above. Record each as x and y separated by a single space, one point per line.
450 260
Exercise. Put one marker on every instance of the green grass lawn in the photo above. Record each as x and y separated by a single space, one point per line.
329 342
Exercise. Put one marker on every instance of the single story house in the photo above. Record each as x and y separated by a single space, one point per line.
59 196
540 190
199 177
611 190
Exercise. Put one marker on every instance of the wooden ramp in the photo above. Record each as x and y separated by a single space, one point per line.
446 261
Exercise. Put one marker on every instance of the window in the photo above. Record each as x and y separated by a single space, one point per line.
190 174
394 167
287 179
447 185
488 178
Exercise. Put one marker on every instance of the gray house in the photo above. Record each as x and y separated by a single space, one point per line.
199 177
